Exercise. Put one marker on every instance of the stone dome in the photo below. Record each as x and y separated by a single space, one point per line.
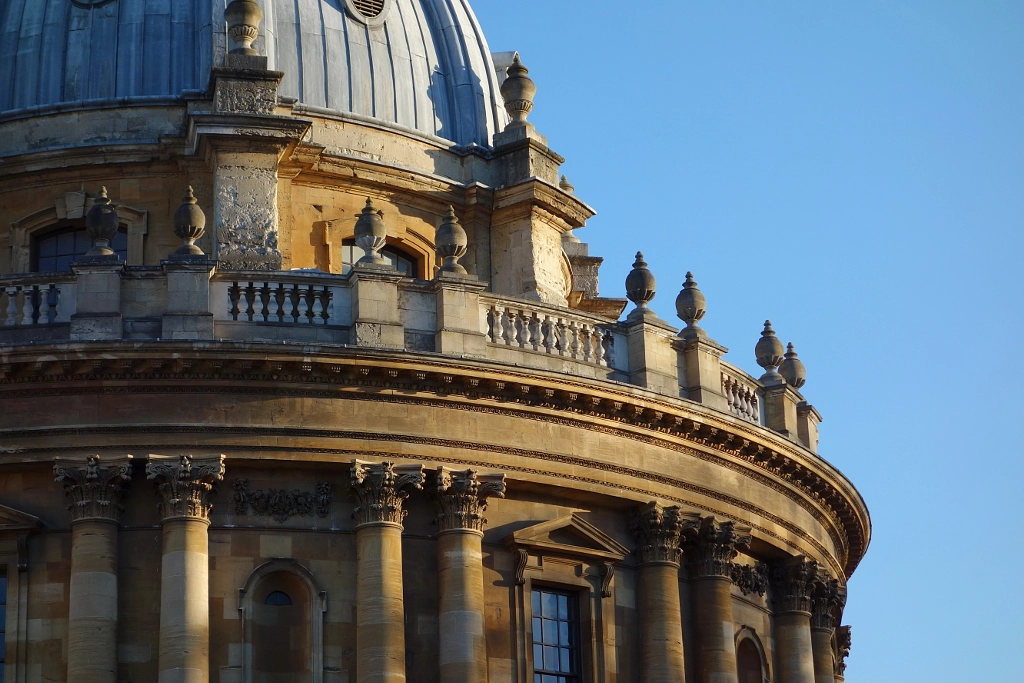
420 65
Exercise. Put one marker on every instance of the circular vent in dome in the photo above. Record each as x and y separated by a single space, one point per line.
369 8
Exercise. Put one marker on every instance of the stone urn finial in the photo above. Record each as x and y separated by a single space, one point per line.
769 354
451 243
691 307
102 223
518 91
371 235
566 185
640 284
792 369
243 18
189 225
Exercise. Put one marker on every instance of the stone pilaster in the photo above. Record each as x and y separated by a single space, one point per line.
826 601
793 582
184 483
844 639
94 488
658 532
461 499
710 549
379 490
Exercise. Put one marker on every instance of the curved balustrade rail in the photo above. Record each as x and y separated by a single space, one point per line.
741 392
292 300
31 303
553 332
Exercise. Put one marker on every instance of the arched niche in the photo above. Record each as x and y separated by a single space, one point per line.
70 207
282 640
751 660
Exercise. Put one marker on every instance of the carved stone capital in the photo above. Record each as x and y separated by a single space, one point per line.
184 483
844 639
711 546
793 582
828 598
380 489
658 531
461 498
750 579
94 487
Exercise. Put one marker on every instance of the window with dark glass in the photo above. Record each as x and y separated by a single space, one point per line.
403 262
278 598
54 251
3 624
556 637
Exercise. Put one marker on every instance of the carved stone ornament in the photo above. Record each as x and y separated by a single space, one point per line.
522 560
101 223
381 488
518 91
751 579
607 574
451 243
184 482
461 498
243 18
371 235
844 639
827 599
658 531
793 582
94 488
280 503
189 225
769 353
711 546
640 283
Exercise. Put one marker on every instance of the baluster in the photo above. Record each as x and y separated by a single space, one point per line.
608 342
549 334
234 296
598 346
586 345
44 304
303 308
318 306
262 303
249 295
12 306
523 329
288 308
329 310
28 304
561 339
510 327
57 303
273 302
574 343
536 336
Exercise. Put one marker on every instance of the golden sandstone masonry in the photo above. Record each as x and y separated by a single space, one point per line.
305 377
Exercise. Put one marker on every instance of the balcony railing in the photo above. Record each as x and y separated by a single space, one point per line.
742 393
36 300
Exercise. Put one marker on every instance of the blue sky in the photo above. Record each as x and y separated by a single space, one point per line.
855 172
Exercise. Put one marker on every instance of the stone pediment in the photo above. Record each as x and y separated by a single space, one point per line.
16 521
569 535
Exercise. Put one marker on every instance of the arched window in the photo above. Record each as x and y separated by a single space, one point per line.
55 250
404 262
751 662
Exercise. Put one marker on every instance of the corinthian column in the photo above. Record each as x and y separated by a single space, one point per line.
184 483
657 531
380 489
94 490
710 549
461 499
792 584
827 599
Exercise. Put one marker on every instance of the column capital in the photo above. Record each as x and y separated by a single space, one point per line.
93 486
658 531
381 488
184 482
827 598
844 639
792 584
461 498
710 547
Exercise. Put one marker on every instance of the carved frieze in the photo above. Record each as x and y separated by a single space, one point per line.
184 483
94 487
461 498
750 579
281 503
827 599
793 582
381 488
710 547
658 531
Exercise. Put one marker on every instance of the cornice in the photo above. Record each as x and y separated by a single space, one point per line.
599 405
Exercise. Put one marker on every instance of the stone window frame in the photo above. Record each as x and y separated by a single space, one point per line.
72 206
15 529
317 613
750 633
332 233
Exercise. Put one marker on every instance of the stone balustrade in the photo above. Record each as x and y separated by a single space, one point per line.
370 308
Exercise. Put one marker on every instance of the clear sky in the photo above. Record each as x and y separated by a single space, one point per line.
855 172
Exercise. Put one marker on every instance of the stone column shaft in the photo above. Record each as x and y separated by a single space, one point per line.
94 488
821 645
184 482
827 601
380 489
793 582
461 499
657 531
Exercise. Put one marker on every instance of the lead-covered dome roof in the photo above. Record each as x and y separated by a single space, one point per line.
422 65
